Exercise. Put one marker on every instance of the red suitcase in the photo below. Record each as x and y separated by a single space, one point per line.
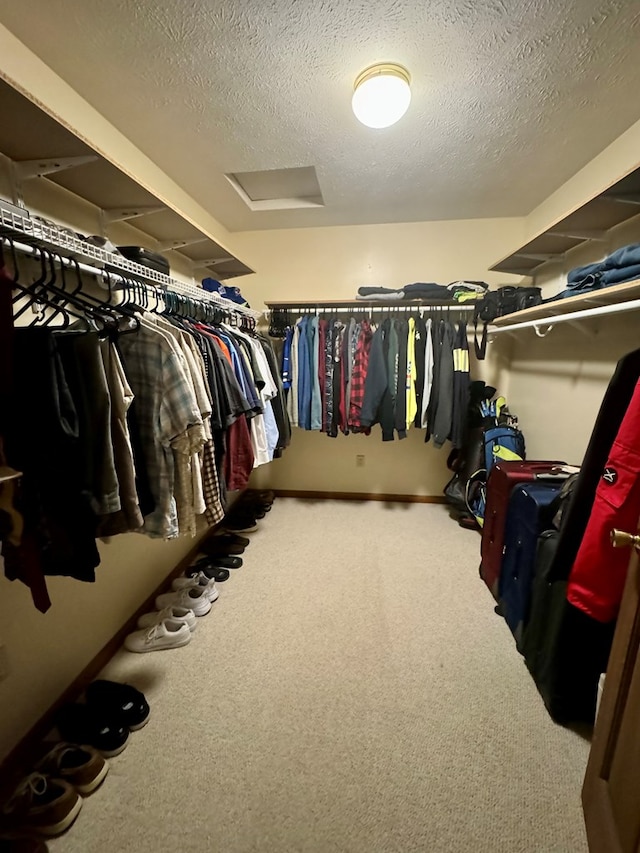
503 477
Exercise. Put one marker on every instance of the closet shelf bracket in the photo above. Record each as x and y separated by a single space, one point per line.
172 245
123 214
597 234
25 169
210 262
625 198
537 256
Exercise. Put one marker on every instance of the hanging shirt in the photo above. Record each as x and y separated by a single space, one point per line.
292 399
304 375
129 516
354 334
358 376
166 408
460 386
419 346
444 410
187 471
411 404
377 405
286 359
400 414
316 398
428 373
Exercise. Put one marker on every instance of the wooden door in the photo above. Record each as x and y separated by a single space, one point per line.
611 790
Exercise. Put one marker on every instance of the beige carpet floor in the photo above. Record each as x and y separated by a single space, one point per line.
352 691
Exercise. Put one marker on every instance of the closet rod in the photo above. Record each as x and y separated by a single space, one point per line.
177 286
549 322
369 307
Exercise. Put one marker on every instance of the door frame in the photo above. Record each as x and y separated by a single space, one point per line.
596 802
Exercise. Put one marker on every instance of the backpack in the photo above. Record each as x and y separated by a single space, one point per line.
491 434
502 441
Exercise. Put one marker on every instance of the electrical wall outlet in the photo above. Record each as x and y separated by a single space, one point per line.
360 460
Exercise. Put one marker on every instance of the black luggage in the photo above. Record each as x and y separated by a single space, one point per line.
564 649
527 516
146 258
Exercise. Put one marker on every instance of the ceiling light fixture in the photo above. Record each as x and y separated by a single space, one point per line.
381 95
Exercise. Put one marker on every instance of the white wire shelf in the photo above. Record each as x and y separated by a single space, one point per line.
29 234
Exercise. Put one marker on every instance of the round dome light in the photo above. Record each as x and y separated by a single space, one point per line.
381 95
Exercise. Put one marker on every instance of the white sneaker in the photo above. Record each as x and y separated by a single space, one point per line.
169 634
199 581
178 614
192 597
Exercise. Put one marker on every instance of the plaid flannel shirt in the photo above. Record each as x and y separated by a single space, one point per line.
166 409
358 377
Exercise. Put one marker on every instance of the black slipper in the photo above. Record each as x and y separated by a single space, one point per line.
220 561
120 701
215 573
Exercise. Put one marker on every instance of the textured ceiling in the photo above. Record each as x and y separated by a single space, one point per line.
510 97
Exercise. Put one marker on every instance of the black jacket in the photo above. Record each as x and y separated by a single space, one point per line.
377 406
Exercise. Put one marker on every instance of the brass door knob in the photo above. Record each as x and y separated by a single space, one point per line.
620 539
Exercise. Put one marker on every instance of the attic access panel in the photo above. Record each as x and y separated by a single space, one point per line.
278 189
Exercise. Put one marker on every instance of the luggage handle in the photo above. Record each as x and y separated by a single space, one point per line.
558 475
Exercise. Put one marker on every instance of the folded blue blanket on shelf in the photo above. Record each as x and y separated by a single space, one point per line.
618 267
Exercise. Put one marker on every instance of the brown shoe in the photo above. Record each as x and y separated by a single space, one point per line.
43 805
80 766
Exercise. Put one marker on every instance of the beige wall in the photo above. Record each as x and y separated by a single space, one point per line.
331 263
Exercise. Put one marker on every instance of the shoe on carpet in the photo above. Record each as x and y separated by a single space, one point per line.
240 523
80 766
220 561
168 634
250 509
192 597
180 614
197 581
85 724
42 805
121 702
216 548
215 573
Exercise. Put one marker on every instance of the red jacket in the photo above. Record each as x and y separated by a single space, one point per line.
599 572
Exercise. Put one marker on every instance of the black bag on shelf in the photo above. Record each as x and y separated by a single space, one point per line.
146 258
499 303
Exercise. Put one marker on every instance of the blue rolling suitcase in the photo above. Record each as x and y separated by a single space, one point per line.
527 516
